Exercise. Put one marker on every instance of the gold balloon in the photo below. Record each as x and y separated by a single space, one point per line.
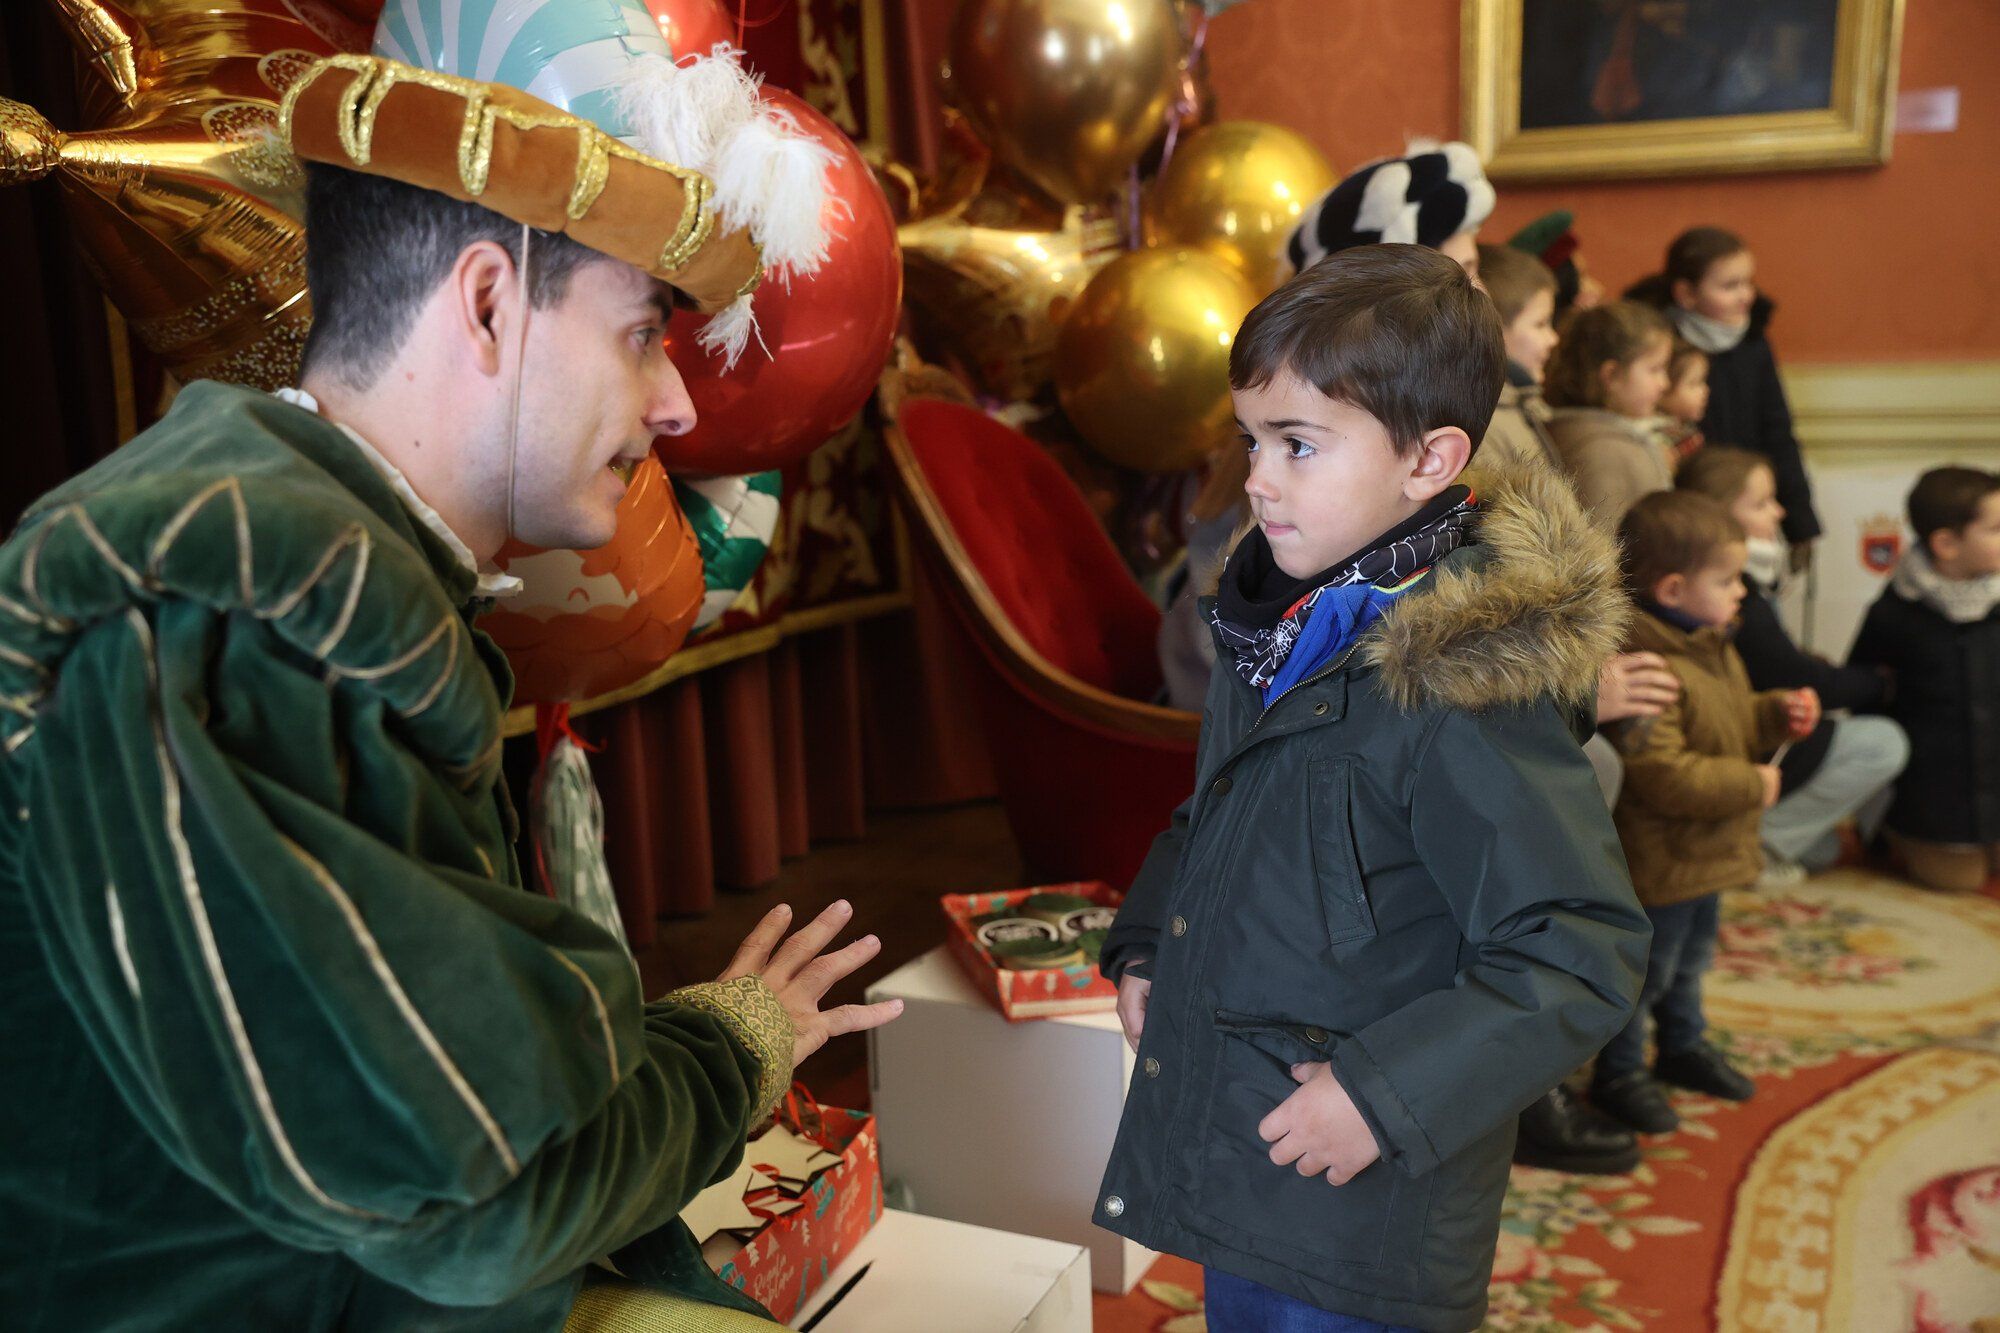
183 201
1142 362
1238 188
1067 92
995 295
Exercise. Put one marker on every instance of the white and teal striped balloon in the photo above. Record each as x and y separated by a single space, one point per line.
570 53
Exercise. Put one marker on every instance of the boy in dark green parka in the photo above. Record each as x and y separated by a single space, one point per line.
1394 912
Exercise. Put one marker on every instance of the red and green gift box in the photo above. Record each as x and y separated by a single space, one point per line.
994 934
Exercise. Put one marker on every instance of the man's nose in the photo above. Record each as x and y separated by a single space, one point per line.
669 409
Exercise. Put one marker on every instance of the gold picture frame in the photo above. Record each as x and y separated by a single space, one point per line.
1853 129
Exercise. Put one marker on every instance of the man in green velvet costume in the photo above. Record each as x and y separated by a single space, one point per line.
286 1042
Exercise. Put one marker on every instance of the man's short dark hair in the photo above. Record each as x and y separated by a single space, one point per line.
1947 499
375 251
1398 331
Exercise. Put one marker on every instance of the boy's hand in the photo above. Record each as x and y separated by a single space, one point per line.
1132 994
1319 1128
1635 685
1802 710
1773 782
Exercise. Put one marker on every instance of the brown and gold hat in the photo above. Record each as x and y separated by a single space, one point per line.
574 116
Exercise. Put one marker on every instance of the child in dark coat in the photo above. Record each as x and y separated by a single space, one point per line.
1709 291
1845 767
1936 627
1393 913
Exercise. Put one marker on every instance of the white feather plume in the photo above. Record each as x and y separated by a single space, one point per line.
770 176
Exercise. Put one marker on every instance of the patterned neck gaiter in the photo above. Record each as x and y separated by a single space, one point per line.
1260 613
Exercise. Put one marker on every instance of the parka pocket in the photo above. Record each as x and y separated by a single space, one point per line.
1249 1203
1336 866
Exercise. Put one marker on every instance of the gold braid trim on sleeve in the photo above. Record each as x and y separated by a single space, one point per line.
752 1013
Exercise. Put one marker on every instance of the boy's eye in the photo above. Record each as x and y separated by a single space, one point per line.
1299 448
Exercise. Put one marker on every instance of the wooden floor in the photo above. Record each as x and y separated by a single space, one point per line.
893 877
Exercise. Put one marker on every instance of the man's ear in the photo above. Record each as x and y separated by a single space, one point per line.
482 294
1671 590
1442 455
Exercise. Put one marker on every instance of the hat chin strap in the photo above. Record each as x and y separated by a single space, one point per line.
520 375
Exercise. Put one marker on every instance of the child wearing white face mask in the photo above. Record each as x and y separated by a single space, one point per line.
1847 765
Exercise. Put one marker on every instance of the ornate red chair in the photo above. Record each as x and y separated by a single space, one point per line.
1061 639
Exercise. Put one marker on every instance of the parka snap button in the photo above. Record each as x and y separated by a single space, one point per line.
1178 926
1222 786
1114 1207
1152 1067
1319 709
1317 1036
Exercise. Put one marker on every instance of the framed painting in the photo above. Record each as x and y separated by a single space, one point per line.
1597 89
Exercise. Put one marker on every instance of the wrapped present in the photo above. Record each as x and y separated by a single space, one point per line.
1034 952
802 1236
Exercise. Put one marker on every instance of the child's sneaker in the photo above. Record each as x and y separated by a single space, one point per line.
1780 872
1638 1100
1701 1068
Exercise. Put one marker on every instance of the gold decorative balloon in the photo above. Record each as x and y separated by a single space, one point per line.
1067 92
1142 362
1238 188
184 203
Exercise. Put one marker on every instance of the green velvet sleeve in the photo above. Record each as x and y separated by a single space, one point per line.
292 947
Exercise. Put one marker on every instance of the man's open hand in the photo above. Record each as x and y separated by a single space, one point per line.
1319 1128
800 975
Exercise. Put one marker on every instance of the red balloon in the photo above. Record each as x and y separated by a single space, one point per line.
829 335
693 27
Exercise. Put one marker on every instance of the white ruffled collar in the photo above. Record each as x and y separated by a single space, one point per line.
491 582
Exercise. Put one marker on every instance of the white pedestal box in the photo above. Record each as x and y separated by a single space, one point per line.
928 1275
1004 1125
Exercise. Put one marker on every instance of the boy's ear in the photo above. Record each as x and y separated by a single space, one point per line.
1944 546
1671 590
1605 372
1441 456
1683 293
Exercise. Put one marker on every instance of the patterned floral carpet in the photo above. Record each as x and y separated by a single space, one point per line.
1858 1192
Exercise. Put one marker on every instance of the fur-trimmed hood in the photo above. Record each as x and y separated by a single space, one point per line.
1533 607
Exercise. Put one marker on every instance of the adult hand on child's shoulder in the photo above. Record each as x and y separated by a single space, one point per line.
1319 1129
1635 685
1133 991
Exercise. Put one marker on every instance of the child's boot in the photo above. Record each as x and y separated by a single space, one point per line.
1558 1134
1701 1068
1638 1100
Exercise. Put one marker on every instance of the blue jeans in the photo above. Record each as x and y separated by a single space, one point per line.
1238 1305
1683 948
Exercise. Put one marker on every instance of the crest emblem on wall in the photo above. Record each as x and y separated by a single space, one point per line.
1881 543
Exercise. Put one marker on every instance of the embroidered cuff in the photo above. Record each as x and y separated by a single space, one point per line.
753 1015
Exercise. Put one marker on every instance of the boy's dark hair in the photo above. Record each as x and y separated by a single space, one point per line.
1684 355
1696 250
1619 331
375 251
1512 279
1671 532
1946 499
1720 472
1398 331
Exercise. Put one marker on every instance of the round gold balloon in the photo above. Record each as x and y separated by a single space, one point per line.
1142 362
1067 92
1238 188
183 201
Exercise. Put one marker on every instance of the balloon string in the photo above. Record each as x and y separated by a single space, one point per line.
743 23
1189 100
